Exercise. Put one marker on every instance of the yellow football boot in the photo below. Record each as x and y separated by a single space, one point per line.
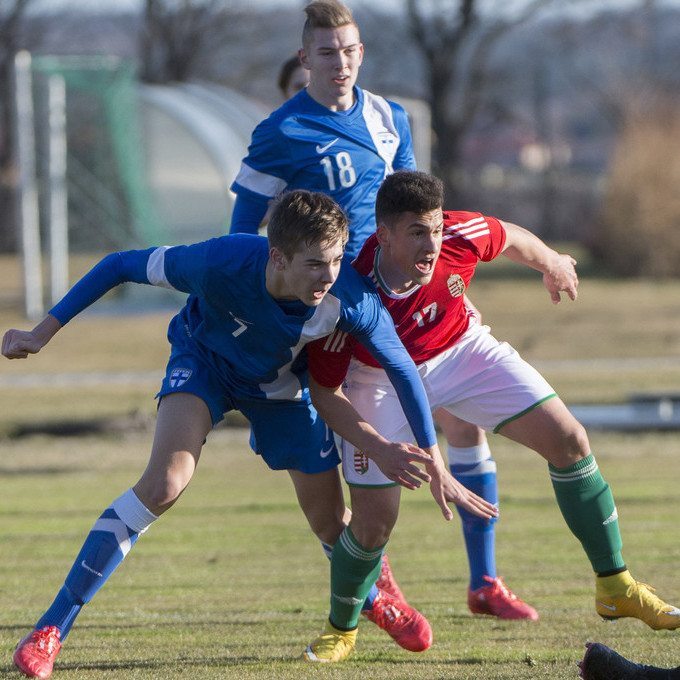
620 596
331 646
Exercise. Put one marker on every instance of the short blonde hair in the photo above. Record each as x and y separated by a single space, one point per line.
325 14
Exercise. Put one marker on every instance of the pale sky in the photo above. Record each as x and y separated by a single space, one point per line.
588 6
582 7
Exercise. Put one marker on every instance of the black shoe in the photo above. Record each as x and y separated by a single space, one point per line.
602 663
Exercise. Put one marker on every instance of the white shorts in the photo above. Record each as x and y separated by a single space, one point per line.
480 380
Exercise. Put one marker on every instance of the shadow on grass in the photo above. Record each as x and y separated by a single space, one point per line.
133 422
21 628
234 661
39 472
133 664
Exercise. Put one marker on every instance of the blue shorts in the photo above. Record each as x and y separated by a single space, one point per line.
289 435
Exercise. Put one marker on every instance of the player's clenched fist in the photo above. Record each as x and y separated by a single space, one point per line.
19 344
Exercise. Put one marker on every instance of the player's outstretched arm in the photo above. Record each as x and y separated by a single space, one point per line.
17 344
397 461
112 270
446 489
558 269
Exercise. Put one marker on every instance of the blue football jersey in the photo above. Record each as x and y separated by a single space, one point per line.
254 344
346 154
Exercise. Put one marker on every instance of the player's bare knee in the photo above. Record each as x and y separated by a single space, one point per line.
327 529
577 441
458 433
572 447
372 534
161 495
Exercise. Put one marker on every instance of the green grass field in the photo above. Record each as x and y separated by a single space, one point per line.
232 584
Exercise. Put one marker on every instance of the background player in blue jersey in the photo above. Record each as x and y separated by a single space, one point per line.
284 154
253 304
293 77
385 604
332 136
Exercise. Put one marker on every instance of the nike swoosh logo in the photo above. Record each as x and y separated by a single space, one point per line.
324 453
84 565
347 600
325 147
611 607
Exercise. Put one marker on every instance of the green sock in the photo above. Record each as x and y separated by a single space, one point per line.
588 508
353 571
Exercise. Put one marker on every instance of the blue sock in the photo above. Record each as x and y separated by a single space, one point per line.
372 593
370 598
475 469
105 547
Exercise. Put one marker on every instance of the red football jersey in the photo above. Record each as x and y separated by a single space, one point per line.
429 319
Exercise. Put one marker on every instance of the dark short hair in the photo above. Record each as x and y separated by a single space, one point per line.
303 218
325 14
286 73
408 191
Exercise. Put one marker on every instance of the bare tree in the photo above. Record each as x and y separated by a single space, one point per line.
11 16
181 39
629 66
455 42
632 82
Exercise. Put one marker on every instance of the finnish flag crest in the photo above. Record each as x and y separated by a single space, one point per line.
179 376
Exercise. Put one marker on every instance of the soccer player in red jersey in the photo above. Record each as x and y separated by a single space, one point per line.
422 260
470 460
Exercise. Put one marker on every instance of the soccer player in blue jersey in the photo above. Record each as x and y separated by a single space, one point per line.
337 138
385 605
332 136
253 304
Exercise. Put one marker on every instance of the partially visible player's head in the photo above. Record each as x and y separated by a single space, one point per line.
409 216
293 77
408 191
332 52
307 234
325 14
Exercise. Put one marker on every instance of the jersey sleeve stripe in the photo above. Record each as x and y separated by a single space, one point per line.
335 341
155 268
474 220
339 342
468 237
469 230
477 234
466 228
259 182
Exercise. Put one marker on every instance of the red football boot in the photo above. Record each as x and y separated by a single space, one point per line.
35 654
497 599
387 582
405 625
